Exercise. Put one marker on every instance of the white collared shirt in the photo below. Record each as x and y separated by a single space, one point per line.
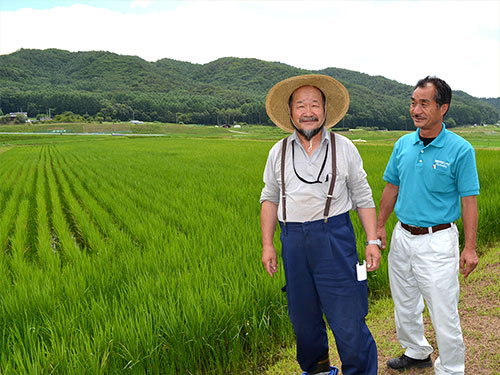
306 202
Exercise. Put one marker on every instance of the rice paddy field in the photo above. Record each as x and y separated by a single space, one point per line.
141 254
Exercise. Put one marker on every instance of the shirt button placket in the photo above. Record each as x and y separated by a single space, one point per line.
420 155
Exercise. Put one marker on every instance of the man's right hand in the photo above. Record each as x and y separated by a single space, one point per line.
381 235
387 203
269 260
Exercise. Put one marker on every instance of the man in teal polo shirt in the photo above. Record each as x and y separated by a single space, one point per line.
431 181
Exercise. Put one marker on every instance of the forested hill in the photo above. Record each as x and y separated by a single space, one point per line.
106 86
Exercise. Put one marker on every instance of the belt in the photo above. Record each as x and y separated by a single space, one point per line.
425 230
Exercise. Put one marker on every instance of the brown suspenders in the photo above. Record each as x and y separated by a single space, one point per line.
334 177
332 182
283 197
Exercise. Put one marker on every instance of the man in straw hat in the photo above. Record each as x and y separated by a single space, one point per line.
312 179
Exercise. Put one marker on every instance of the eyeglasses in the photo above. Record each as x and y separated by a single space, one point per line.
321 170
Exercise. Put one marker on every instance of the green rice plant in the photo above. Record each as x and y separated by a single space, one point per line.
157 262
62 237
7 216
9 171
488 165
375 159
83 225
19 241
169 258
91 206
48 258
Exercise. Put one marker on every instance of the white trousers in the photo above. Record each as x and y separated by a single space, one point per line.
426 267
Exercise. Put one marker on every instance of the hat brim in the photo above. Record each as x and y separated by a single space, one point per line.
337 99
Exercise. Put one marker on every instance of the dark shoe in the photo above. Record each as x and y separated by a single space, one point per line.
323 368
333 371
404 363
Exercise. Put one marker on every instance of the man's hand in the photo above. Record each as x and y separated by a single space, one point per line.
268 218
372 253
269 260
387 203
468 261
381 235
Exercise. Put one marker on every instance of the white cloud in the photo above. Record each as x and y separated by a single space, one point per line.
140 3
456 40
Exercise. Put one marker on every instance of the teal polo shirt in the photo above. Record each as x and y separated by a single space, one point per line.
432 179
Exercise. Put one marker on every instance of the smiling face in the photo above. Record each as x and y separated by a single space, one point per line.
426 112
307 110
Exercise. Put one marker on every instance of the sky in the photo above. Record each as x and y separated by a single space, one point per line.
458 41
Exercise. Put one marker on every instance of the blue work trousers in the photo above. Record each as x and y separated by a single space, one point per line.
320 270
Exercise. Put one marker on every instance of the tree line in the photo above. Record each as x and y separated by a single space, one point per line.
180 108
102 86
209 110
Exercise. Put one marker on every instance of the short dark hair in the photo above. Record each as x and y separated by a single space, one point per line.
443 90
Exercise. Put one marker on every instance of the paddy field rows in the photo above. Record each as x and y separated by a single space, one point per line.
142 255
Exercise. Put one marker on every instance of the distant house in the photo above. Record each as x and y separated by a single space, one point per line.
136 122
13 115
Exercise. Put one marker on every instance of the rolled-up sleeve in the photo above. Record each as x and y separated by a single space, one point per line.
271 190
357 184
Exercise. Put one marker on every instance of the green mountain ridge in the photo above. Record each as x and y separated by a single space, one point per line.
107 86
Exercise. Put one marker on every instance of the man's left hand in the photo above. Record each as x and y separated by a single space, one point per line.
468 261
372 253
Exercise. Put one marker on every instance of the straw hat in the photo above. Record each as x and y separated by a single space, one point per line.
337 99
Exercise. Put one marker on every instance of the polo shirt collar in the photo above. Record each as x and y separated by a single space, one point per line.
437 142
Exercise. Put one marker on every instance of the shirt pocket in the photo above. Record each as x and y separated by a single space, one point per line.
440 181
340 184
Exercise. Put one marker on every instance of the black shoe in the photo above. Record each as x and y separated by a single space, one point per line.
404 363
322 367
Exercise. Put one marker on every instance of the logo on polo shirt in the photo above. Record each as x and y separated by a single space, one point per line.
441 165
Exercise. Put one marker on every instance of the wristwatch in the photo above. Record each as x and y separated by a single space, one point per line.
374 242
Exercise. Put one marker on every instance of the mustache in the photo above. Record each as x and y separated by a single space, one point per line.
309 118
